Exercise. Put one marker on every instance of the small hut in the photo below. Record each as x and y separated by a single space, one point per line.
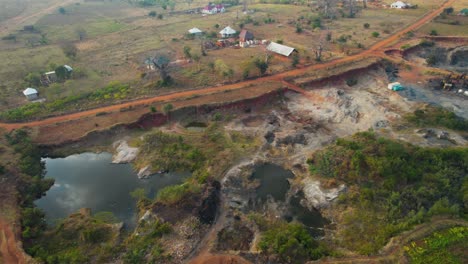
227 32
30 93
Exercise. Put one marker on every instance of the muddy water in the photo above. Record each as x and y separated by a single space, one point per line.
274 182
90 180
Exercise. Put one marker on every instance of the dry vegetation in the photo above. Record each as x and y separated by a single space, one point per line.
120 36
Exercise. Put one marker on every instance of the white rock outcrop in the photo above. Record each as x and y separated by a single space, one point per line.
125 153
316 196
145 172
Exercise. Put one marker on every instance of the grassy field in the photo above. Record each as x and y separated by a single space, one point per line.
118 37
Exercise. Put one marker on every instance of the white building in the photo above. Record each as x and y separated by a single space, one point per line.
280 49
400 5
195 31
30 93
227 32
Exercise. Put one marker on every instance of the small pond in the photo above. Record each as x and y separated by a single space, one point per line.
274 182
90 180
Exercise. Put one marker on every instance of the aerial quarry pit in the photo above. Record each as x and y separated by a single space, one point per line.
338 134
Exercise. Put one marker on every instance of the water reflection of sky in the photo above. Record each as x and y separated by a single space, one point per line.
90 180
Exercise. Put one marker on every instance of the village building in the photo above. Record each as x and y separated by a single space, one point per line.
280 49
213 9
395 86
463 12
69 69
400 5
227 32
245 35
51 76
30 93
195 31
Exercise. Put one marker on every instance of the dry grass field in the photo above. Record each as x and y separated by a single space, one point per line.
120 36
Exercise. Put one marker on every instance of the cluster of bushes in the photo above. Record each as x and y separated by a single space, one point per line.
113 90
146 243
31 182
441 247
170 152
291 242
398 185
77 239
438 117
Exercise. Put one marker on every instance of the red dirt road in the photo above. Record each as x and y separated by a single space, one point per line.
9 249
375 50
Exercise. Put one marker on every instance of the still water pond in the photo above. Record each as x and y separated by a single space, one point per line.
90 180
274 182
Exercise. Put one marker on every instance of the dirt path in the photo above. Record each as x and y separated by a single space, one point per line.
374 50
9 248
14 22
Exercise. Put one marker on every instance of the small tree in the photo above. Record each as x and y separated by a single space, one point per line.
298 29
431 60
187 53
167 110
69 49
162 63
62 73
318 52
375 34
295 59
152 14
216 25
82 34
433 32
366 25
211 65
448 10
261 65
197 58
62 10
160 16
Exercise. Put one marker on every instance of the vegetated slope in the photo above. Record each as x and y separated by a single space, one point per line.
392 186
448 246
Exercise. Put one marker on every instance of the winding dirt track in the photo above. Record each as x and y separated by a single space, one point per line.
374 50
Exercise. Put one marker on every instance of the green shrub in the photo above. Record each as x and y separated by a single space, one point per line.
351 82
366 25
291 242
175 193
375 34
441 247
437 116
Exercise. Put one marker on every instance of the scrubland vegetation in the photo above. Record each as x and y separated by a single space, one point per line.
392 186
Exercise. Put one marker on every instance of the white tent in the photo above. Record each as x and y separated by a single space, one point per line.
195 31
227 32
